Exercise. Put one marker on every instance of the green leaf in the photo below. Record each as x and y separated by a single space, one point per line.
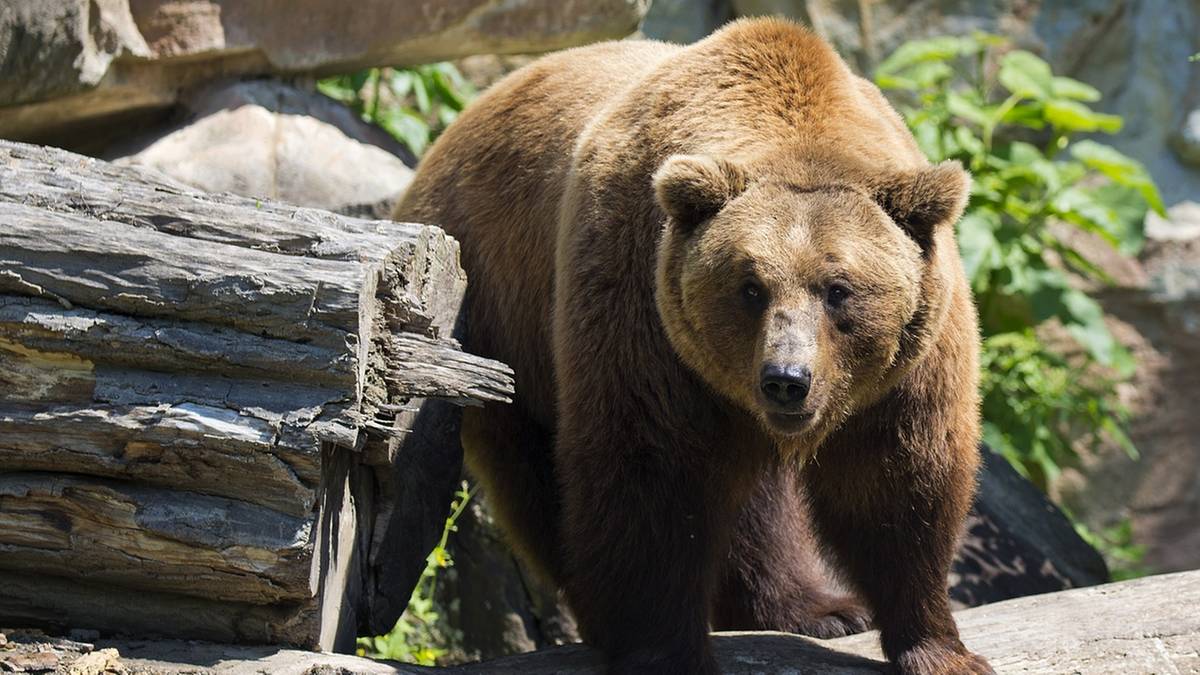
923 51
1120 169
338 88
977 243
965 107
421 94
445 91
928 138
1065 87
1074 116
401 82
1021 153
407 127
968 142
1085 323
1115 212
926 75
1026 75
359 80
1029 115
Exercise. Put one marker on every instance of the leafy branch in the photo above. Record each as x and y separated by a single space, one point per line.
1006 116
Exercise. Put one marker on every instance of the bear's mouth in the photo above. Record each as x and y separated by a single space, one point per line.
790 422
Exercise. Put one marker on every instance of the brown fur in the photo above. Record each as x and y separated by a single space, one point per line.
613 203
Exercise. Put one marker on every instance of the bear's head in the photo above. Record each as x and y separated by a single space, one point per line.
802 301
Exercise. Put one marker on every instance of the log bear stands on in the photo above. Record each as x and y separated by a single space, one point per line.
727 281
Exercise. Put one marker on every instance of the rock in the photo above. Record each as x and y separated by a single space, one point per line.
271 140
1018 543
32 651
1186 140
492 604
102 662
685 21
52 49
1181 224
91 61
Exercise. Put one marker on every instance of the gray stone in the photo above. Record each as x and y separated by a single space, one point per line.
267 139
684 21
1018 543
75 61
1181 224
1186 139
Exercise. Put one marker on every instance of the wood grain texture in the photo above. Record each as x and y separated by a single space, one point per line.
1135 627
214 403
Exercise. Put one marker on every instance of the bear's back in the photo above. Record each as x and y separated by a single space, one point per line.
494 181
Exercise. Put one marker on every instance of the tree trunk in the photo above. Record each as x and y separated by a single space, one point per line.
220 417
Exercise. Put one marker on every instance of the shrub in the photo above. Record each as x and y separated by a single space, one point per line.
1004 114
412 104
418 633
1014 124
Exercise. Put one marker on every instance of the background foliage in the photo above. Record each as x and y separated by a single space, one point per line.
418 634
412 104
1016 126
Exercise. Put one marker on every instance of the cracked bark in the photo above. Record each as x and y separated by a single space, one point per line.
240 412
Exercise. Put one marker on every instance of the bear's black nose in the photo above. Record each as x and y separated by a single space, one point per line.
786 386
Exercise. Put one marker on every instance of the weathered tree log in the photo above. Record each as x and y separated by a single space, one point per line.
238 412
1135 627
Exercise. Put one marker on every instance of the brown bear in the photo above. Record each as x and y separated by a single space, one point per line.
727 282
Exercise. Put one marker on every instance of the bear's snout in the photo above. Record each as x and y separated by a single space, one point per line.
786 385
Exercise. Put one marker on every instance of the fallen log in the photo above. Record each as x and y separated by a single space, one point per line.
1133 627
220 417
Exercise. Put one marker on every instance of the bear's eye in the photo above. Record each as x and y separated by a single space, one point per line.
836 295
754 295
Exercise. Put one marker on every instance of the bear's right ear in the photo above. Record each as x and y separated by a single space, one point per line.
922 200
693 188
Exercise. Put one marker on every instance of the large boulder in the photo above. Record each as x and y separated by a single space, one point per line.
1018 543
267 139
70 62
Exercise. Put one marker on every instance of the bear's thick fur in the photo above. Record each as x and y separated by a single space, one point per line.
727 281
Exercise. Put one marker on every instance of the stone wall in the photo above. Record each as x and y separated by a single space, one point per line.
72 68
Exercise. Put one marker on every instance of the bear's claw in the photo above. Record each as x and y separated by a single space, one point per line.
834 617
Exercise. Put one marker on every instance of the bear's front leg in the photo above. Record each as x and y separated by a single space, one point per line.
641 536
890 503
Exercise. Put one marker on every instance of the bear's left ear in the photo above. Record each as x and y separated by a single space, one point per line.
693 188
921 200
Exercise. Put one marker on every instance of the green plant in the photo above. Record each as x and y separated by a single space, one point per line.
413 104
1124 557
1005 115
417 635
1013 123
